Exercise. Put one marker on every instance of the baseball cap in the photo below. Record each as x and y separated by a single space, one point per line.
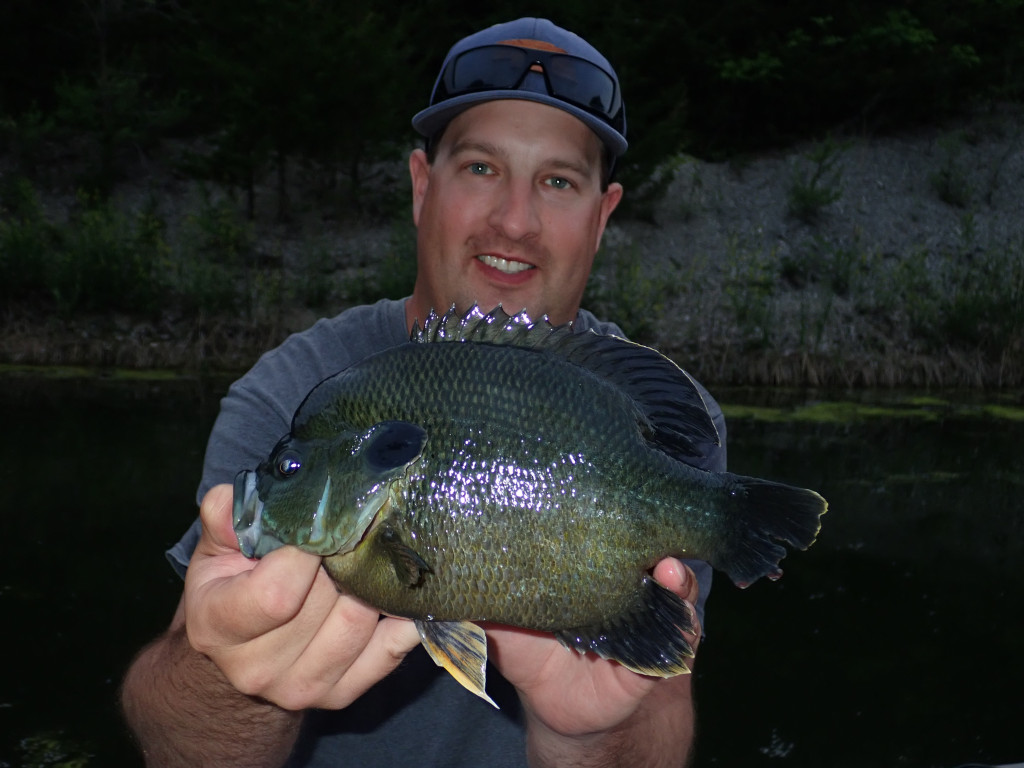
535 60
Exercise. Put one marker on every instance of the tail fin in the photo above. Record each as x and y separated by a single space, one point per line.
765 515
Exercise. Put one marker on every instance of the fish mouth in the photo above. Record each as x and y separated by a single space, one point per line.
256 539
247 514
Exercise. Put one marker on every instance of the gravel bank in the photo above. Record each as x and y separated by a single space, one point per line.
741 282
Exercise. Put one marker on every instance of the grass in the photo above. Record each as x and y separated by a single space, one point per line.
816 181
624 287
214 294
858 318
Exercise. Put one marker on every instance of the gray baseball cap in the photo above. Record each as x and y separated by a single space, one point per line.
535 60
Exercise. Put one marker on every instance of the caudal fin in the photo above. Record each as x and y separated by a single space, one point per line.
763 517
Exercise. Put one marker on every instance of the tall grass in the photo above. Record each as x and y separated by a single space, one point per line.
840 302
100 259
624 288
103 259
917 312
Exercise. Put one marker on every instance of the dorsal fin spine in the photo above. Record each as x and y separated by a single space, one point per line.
669 400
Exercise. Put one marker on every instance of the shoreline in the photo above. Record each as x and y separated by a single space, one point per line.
808 405
225 350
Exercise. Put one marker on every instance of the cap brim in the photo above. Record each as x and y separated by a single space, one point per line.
432 119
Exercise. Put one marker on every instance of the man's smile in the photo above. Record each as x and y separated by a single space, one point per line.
508 266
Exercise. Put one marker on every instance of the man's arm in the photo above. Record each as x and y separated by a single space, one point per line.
585 712
185 713
252 644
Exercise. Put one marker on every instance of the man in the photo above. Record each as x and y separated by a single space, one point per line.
265 664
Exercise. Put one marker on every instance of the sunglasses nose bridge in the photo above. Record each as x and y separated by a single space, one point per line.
535 78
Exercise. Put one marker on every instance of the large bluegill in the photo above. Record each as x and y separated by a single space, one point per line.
497 470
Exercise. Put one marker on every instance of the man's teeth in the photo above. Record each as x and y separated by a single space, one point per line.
504 265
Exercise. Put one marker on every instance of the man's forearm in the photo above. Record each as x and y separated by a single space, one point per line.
184 712
658 735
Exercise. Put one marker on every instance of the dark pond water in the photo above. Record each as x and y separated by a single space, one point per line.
895 641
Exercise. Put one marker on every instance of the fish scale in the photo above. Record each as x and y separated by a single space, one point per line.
494 469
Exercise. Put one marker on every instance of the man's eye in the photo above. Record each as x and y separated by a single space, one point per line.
559 182
480 169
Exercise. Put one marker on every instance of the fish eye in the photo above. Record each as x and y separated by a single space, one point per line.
288 463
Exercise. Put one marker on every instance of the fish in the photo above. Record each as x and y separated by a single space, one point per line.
496 469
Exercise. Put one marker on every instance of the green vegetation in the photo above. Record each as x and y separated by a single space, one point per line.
623 287
255 100
271 86
950 181
813 188
927 316
102 259
923 319
53 750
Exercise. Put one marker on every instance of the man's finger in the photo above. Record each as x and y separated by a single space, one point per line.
215 513
672 574
256 601
392 640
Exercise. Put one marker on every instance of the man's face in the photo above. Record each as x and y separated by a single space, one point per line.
511 212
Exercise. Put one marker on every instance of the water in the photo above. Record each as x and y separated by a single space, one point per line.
893 642
896 639
98 477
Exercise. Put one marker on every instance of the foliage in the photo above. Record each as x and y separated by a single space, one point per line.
812 189
623 289
390 277
271 83
397 272
100 259
970 299
53 749
212 269
278 81
267 89
837 267
750 288
950 181
982 304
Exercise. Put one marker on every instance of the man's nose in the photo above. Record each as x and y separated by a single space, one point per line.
515 213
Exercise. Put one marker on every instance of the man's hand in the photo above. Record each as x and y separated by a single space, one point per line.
586 708
277 627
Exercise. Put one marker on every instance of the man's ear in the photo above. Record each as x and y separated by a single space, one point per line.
609 201
419 172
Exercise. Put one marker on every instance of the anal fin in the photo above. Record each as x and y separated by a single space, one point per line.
647 639
461 648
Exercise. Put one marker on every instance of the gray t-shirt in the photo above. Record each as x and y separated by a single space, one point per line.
419 715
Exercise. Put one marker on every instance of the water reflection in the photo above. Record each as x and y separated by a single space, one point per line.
893 641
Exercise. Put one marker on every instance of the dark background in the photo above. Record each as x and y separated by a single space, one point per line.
265 80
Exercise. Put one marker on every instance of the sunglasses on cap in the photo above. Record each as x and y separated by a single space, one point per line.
504 67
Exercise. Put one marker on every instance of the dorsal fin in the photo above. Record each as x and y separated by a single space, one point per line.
496 327
677 418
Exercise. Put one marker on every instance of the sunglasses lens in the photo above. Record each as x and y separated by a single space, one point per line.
503 67
496 66
583 83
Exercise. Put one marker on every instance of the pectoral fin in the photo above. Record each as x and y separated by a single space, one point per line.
410 567
461 648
